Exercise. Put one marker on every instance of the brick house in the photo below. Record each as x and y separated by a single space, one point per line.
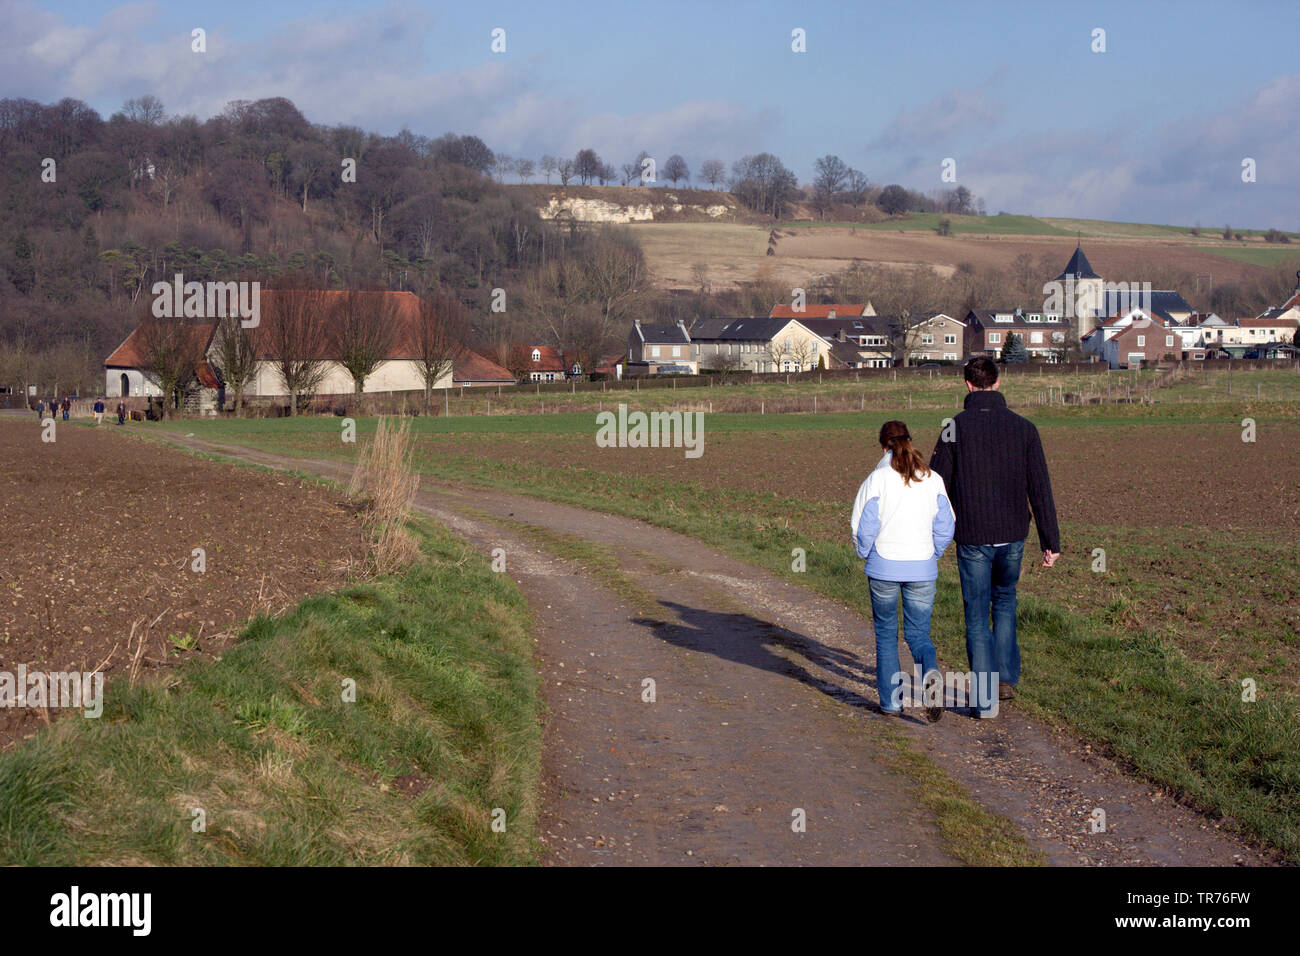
1144 339
1044 334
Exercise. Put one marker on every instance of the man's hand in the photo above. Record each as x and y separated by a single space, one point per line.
1049 558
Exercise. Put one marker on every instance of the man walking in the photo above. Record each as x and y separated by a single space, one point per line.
991 461
99 410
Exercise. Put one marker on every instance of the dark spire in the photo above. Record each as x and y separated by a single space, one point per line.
1078 266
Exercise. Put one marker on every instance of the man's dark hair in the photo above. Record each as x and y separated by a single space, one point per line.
982 372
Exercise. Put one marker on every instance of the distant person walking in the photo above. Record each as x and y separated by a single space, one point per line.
67 407
40 408
992 462
99 411
902 522
121 413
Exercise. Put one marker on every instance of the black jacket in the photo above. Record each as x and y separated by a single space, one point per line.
992 467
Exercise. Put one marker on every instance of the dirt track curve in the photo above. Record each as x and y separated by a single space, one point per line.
764 706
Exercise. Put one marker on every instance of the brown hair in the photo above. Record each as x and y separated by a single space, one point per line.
906 460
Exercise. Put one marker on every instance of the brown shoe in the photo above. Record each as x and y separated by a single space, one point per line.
933 690
1006 691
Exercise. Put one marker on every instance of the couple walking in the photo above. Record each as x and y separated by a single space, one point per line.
987 466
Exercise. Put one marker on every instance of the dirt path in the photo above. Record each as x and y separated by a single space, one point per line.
764 706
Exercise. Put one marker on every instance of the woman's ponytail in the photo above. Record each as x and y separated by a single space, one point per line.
906 460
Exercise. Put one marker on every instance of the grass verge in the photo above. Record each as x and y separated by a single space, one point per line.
443 731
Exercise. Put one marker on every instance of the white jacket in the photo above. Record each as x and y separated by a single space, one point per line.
901 529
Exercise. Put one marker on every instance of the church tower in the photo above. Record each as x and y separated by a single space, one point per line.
1083 291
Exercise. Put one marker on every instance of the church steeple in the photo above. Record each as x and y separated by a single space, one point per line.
1078 267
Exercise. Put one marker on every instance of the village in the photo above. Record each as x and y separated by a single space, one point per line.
1121 325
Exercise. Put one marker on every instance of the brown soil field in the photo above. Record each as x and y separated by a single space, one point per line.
1200 530
1106 474
98 535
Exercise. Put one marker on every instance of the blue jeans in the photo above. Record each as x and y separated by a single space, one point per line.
918 602
988 589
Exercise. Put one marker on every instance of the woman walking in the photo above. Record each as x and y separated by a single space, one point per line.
902 522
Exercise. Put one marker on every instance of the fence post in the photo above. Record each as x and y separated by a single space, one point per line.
762 407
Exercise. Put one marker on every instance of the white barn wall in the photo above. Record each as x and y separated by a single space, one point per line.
137 384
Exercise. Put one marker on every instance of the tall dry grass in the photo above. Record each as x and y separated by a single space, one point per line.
386 477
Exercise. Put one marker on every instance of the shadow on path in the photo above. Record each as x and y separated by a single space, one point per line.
756 643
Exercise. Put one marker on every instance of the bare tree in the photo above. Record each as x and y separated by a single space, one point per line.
777 352
503 165
713 171
676 169
236 357
297 336
549 165
586 164
145 109
170 351
362 331
439 337
565 168
524 169
631 171
832 174
855 187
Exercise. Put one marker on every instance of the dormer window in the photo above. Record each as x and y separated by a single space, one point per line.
537 355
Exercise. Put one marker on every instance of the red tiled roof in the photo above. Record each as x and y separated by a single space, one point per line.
550 359
128 354
207 377
819 311
472 367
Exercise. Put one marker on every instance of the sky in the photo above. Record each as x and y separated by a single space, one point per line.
1153 129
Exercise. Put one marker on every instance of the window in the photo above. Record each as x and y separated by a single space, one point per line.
1169 340
1035 338
677 352
950 356
950 339
537 355
1142 341
927 338
654 351
995 338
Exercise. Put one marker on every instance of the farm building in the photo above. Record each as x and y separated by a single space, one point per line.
127 372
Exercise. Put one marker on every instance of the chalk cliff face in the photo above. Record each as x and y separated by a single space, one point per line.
600 210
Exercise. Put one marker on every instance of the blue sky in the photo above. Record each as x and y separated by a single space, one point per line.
1154 129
